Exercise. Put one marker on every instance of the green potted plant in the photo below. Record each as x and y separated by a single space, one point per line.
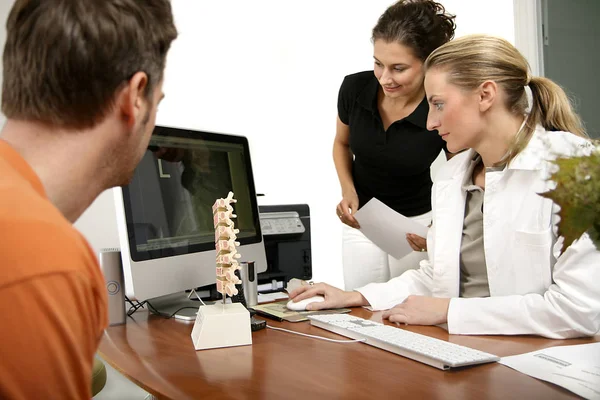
577 192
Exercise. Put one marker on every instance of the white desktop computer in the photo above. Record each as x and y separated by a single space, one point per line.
165 220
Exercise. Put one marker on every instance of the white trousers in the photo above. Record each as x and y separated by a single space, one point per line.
363 262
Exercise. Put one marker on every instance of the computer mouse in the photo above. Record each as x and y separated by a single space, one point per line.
301 305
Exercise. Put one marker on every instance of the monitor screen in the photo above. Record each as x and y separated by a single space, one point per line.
168 204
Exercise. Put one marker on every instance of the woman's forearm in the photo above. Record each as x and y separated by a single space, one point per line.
342 158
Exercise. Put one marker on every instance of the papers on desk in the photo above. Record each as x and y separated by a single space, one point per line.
268 297
576 368
387 228
278 311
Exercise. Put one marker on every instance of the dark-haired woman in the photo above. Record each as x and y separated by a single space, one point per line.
382 148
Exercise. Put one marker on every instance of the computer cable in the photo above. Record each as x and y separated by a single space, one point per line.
317 337
167 316
134 306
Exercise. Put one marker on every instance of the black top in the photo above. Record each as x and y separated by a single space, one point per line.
391 165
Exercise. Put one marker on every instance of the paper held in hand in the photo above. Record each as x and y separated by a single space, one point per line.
388 228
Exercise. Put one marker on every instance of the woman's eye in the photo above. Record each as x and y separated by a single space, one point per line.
439 106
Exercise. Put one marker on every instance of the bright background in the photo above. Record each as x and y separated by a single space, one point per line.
270 70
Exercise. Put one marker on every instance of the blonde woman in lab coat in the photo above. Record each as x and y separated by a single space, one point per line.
495 264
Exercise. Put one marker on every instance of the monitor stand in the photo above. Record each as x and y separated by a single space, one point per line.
177 305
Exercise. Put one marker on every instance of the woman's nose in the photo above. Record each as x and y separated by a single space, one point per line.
432 122
386 77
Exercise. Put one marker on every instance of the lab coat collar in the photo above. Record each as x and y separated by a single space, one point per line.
465 163
532 156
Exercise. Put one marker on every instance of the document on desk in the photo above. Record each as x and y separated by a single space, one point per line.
388 228
268 297
576 368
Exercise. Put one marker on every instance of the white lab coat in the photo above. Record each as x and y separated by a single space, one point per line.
532 290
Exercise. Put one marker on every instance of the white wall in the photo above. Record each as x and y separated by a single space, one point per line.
5 6
270 70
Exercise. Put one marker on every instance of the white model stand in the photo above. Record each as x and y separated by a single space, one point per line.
221 324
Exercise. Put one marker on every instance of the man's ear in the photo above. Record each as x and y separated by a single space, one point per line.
132 98
488 91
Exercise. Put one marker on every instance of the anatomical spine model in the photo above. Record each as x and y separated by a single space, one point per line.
225 243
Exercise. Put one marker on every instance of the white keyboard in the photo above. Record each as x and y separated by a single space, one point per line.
437 353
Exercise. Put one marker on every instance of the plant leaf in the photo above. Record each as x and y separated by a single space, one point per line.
577 192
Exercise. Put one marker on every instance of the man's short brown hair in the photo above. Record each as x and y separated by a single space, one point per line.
65 59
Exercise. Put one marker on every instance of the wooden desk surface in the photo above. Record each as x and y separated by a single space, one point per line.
157 354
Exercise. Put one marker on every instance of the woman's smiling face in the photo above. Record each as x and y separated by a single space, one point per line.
398 70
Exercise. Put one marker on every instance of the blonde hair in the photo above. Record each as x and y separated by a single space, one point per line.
471 60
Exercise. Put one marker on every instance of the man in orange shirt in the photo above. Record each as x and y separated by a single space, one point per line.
82 81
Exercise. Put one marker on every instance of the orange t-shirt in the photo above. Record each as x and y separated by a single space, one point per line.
53 305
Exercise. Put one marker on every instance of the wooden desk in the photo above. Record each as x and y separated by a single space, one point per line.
157 354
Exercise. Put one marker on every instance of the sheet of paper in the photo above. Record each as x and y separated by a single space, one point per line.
280 312
576 368
387 228
585 381
267 297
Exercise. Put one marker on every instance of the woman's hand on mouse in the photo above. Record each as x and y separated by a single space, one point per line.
334 297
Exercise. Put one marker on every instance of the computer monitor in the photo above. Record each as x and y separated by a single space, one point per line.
164 216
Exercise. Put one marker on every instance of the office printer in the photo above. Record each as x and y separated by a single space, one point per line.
286 235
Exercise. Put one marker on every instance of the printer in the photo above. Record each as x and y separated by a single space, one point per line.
286 235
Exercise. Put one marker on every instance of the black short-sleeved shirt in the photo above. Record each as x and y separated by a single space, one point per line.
391 165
